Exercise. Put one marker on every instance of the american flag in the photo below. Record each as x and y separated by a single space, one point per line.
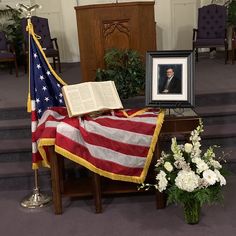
45 89
118 145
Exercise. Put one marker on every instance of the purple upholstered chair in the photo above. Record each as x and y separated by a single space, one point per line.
7 52
48 44
211 32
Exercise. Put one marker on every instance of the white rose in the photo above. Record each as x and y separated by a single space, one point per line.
215 164
221 178
210 176
168 166
201 166
188 147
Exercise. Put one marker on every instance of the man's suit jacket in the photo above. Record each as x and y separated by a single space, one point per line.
174 85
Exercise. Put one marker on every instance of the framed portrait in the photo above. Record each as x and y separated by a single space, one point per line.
170 79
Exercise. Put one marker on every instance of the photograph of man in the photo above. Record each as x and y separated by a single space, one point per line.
170 81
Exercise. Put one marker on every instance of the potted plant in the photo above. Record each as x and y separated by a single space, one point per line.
231 8
126 69
11 25
189 177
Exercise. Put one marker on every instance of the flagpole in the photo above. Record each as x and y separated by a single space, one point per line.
36 199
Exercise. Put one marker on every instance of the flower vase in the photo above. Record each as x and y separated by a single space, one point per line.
192 212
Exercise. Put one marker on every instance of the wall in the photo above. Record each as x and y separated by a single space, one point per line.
169 21
70 29
175 21
163 22
62 22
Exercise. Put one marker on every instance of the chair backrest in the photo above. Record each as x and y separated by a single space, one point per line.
3 41
212 20
41 28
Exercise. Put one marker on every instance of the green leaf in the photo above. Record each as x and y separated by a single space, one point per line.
126 69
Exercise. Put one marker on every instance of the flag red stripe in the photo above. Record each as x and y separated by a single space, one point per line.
128 125
121 147
81 151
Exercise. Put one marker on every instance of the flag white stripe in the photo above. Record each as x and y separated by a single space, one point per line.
51 123
34 147
48 113
33 105
147 120
98 152
123 136
34 126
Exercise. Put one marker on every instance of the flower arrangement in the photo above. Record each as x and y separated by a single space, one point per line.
190 177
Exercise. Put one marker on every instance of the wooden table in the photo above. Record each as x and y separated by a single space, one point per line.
97 186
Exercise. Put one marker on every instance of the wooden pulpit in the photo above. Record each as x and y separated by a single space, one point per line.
116 25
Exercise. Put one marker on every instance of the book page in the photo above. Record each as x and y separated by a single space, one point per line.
106 95
79 98
91 97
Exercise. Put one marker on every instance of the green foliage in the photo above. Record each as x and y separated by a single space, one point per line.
11 25
211 195
126 69
232 12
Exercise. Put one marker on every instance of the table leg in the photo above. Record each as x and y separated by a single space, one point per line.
160 200
55 177
97 192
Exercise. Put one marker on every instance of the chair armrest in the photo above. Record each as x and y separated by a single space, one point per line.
54 40
194 34
11 47
25 48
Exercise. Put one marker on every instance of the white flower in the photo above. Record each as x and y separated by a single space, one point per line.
168 166
188 147
162 181
182 165
221 178
161 160
187 180
209 154
215 164
176 149
196 160
201 166
210 176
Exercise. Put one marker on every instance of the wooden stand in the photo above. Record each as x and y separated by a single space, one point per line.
117 25
97 186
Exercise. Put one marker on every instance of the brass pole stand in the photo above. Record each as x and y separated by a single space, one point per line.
37 199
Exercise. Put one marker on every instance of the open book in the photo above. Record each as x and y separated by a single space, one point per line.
90 97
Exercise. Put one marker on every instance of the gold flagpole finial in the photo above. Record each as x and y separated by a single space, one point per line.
28 9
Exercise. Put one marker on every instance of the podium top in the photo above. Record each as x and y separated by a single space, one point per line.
119 4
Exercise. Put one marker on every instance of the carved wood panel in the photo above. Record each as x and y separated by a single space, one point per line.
116 33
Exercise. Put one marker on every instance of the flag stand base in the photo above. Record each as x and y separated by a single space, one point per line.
36 200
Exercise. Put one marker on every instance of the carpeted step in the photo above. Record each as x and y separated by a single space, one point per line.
219 110
15 145
13 113
14 150
219 131
14 129
19 175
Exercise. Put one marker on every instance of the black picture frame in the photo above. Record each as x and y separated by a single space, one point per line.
181 65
